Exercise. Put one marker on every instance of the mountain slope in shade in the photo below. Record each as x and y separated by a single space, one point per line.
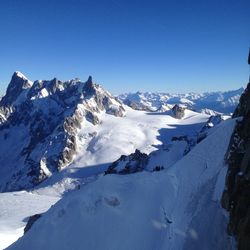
211 102
39 123
236 196
169 209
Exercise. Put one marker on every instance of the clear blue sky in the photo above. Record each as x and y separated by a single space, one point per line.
128 45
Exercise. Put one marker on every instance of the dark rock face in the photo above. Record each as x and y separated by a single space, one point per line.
178 112
132 163
244 105
31 221
236 196
39 123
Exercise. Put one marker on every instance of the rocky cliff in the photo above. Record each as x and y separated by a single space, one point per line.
39 122
236 196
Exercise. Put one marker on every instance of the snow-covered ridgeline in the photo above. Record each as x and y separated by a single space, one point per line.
209 102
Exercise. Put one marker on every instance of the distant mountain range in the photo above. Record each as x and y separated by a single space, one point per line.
210 102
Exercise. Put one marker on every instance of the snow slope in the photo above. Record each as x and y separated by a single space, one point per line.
99 146
15 208
177 208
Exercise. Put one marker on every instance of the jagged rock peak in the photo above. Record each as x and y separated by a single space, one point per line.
135 162
18 84
50 114
19 78
90 80
20 75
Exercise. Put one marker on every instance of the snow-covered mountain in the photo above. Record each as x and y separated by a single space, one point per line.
50 125
39 126
162 137
125 178
48 118
210 103
167 209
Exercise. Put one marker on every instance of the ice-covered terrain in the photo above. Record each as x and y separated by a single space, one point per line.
116 136
176 208
75 142
98 147
210 102
40 122
50 124
15 209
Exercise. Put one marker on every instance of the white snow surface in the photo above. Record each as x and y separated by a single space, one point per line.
15 208
98 146
177 208
122 135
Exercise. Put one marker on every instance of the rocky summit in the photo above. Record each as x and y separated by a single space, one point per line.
39 122
133 163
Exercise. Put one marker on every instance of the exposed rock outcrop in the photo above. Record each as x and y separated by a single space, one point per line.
236 196
40 121
32 219
132 163
178 111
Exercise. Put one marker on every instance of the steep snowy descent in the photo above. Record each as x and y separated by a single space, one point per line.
170 209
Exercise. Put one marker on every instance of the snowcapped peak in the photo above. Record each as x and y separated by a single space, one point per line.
17 90
20 75
220 102
20 79
55 110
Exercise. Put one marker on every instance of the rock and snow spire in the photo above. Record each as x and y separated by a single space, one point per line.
17 87
49 113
